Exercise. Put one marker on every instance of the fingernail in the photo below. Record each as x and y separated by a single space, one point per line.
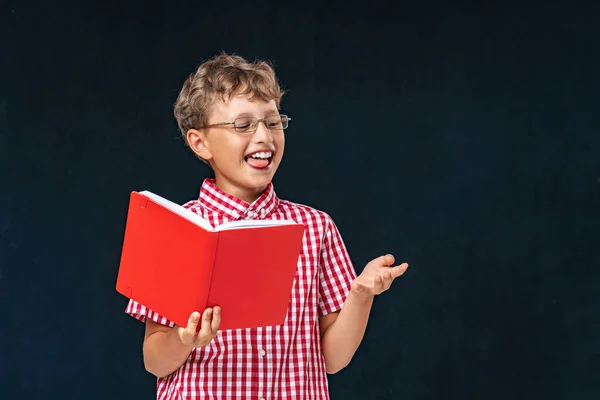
217 310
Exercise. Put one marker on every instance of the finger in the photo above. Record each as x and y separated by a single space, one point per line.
190 330
398 270
378 285
382 261
205 329
216 320
386 260
193 320
387 278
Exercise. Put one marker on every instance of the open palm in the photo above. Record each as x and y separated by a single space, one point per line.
377 276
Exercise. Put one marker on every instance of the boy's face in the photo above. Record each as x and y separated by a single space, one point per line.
228 151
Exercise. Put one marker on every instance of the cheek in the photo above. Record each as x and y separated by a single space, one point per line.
229 150
280 143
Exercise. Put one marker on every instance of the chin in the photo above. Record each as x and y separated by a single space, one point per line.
258 182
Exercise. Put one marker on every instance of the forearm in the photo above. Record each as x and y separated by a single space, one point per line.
341 340
164 353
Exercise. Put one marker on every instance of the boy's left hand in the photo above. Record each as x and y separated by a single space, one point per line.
377 276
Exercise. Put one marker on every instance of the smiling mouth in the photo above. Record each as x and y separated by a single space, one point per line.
259 160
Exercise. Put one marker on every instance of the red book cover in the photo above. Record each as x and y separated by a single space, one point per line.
174 263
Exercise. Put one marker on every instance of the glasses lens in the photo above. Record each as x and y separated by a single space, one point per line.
245 124
277 122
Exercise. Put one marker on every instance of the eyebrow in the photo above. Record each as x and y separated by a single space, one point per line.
248 114
244 114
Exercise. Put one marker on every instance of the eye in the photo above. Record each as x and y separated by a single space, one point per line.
274 123
243 124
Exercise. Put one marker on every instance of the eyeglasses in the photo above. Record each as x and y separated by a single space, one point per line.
250 124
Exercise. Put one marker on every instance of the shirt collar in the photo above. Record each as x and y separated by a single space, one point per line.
215 199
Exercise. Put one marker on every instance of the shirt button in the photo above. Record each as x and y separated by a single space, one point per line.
262 353
251 213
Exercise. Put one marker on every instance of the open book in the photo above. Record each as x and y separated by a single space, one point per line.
174 262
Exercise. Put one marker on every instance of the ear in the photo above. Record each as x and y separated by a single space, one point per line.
197 141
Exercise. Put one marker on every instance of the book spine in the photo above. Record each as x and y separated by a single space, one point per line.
206 267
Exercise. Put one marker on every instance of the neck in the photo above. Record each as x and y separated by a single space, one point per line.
249 195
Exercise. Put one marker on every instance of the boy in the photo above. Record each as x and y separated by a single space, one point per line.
228 112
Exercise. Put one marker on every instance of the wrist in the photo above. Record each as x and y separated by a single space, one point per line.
361 297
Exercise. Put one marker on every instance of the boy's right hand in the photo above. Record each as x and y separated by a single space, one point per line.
211 318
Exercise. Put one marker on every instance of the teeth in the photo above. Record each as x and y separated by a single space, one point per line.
266 154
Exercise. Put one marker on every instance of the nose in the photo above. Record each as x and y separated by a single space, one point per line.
262 133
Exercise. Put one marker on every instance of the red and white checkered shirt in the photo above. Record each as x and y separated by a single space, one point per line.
279 362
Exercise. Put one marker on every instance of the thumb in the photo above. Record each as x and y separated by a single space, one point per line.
385 260
193 321
186 335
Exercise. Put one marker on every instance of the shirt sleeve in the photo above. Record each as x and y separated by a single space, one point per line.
140 312
336 271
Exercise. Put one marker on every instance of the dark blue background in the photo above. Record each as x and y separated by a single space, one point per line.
463 138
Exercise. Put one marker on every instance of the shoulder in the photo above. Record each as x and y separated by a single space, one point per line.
305 212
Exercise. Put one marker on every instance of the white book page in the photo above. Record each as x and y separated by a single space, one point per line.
178 209
253 224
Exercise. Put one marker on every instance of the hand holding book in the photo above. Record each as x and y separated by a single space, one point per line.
198 336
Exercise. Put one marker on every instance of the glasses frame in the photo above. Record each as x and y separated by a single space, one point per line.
258 121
